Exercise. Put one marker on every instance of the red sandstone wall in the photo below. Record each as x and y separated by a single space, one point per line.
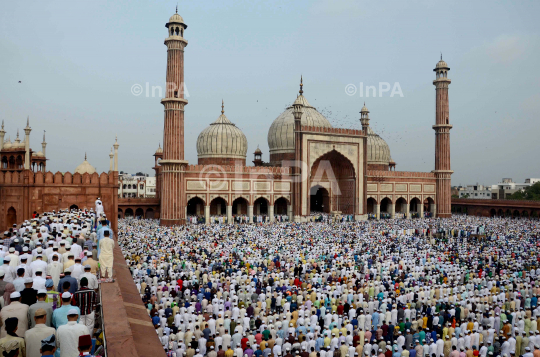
27 192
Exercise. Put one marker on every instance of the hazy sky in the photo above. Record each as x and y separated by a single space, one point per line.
77 62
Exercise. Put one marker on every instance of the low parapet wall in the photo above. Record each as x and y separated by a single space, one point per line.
128 328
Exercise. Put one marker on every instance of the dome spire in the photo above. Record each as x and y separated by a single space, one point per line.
301 85
85 156
222 107
177 8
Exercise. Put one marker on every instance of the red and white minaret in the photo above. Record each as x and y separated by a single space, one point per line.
442 128
173 164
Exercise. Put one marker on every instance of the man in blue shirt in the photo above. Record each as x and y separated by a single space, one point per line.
60 315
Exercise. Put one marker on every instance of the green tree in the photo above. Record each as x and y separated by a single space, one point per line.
531 193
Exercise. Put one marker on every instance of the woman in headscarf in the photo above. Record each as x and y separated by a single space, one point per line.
12 342
10 288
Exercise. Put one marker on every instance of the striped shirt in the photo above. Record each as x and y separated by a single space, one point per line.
85 299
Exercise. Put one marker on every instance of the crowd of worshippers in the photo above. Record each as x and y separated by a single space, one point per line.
459 287
49 283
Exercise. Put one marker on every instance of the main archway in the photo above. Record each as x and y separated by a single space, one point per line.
335 172
319 200
414 207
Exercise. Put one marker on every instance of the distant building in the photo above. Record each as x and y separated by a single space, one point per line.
136 186
507 187
151 187
475 191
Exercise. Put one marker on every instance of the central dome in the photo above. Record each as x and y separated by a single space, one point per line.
281 133
221 143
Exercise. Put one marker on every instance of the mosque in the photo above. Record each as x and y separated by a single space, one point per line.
313 167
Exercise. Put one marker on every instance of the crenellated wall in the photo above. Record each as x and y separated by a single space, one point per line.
25 192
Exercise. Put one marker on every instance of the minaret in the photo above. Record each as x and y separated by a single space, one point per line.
116 145
111 155
296 171
442 140
173 164
2 134
364 117
43 144
27 131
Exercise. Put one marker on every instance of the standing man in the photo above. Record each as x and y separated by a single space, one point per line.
39 332
15 309
85 299
41 304
106 245
68 335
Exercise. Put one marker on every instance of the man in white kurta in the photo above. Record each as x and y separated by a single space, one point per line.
106 254
68 335
54 269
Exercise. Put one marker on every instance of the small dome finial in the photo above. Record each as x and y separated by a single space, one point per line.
177 8
43 135
441 56
301 85
2 124
85 156
222 107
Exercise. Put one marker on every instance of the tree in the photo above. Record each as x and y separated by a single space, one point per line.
530 193
455 196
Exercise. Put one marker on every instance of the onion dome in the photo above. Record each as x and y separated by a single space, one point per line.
222 139
176 19
85 167
441 65
7 144
281 133
159 150
257 151
364 109
378 151
38 154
